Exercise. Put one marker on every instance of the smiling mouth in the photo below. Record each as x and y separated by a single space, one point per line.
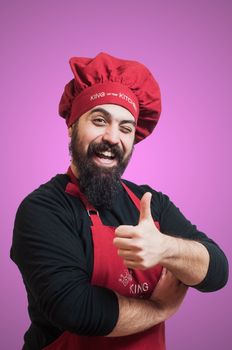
106 155
105 158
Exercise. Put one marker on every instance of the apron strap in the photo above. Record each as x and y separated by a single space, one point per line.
132 196
136 201
73 189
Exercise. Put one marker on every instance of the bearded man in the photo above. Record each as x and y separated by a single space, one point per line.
104 261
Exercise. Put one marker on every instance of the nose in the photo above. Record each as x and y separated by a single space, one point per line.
111 134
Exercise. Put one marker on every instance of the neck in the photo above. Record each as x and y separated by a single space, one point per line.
74 170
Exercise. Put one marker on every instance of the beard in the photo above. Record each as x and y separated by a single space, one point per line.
99 184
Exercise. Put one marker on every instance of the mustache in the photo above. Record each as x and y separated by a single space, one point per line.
104 146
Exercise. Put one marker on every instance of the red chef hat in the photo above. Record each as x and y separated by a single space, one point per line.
107 79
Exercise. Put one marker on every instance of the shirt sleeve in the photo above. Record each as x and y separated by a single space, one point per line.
173 222
51 258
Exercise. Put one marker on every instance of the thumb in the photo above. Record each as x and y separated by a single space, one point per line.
145 207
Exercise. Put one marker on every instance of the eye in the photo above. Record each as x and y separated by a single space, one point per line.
99 121
126 129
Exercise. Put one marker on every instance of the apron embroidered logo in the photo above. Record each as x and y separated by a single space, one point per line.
139 288
126 278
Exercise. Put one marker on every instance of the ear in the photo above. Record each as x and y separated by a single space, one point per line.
70 130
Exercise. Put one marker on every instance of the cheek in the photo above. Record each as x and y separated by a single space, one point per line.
94 133
87 139
128 148
129 143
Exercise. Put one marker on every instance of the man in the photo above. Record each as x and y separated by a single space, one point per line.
105 262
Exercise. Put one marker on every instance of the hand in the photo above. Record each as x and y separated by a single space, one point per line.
140 246
168 294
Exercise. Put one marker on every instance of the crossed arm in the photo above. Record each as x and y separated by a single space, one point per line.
136 315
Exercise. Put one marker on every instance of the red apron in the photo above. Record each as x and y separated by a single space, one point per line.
109 271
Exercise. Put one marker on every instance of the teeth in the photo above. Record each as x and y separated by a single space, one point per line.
107 154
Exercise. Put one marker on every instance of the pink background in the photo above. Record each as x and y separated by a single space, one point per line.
187 45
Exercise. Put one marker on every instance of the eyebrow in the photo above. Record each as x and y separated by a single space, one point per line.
109 116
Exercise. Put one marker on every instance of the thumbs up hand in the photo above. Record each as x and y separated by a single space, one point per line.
140 246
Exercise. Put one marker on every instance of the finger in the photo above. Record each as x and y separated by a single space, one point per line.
145 207
132 264
125 231
125 243
128 254
163 273
167 281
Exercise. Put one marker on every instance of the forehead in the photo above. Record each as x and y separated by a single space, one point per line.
112 111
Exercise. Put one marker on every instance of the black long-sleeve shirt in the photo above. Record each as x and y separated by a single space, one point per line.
52 246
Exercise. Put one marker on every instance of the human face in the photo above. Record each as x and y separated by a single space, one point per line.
110 124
